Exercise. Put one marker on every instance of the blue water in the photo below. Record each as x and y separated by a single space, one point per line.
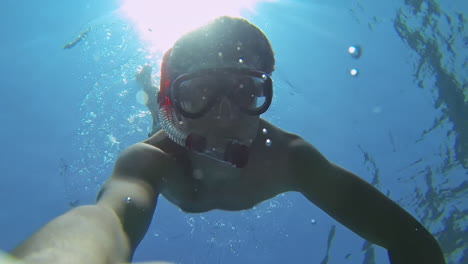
401 124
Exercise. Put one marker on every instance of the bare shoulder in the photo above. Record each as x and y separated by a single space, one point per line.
142 161
277 152
138 156
302 159
275 133
290 143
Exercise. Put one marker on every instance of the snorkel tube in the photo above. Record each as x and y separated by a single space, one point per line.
234 153
167 116
175 132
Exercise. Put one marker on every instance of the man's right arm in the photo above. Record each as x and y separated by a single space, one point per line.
109 231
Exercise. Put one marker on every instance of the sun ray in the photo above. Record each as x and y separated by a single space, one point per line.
161 22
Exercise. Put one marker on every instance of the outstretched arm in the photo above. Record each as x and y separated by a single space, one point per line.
109 231
362 208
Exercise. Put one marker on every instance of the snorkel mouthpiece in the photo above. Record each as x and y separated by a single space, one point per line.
195 142
236 154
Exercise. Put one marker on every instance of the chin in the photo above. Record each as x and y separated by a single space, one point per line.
227 125
226 128
239 132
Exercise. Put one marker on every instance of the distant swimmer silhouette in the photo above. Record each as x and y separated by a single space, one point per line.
77 40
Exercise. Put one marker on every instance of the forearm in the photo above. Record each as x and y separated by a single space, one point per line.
418 247
87 234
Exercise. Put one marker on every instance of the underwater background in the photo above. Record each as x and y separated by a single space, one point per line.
400 121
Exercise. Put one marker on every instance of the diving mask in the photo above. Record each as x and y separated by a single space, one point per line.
194 94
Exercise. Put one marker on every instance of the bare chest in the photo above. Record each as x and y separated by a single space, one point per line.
211 186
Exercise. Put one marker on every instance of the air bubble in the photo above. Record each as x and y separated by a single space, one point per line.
313 221
354 51
354 72
268 142
241 60
264 131
128 199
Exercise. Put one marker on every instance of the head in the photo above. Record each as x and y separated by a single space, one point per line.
221 43
222 50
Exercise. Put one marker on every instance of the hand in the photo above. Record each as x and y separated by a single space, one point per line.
151 262
5 258
143 77
10 260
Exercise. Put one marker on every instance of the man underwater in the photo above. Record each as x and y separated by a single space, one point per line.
215 152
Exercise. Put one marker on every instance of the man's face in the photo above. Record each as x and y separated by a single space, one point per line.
224 121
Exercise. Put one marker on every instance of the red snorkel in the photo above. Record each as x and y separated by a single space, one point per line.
165 82
166 115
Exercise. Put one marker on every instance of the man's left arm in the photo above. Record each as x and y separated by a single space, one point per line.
361 207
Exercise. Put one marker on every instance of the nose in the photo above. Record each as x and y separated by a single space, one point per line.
225 109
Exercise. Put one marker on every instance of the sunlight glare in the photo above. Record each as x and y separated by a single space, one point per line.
161 22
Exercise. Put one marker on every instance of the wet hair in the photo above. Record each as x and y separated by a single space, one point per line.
223 41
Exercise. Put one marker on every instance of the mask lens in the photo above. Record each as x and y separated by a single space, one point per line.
251 93
195 94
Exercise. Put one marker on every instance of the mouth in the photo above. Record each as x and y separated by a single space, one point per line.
225 123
